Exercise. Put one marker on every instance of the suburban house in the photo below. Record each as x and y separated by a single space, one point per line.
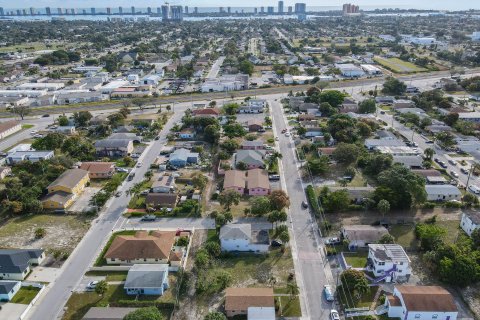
63 191
163 184
114 147
442 192
252 145
238 301
421 303
4 172
373 144
234 180
107 313
257 182
181 157
470 222
147 279
166 201
127 136
255 125
32 156
360 236
241 237
9 127
140 248
8 289
99 170
412 162
68 130
388 262
206 112
15 263
251 108
187 133
252 158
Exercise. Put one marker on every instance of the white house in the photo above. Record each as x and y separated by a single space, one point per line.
388 262
152 80
261 313
8 289
421 303
442 192
372 144
470 222
241 237
469 116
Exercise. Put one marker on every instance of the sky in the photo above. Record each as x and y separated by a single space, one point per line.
418 4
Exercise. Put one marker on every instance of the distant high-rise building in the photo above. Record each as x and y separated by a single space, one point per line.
32 11
176 13
349 8
255 10
48 11
290 9
93 11
229 10
159 10
270 10
84 12
24 12
149 10
300 8
280 7
2 13
120 10
262 9
133 10
59 11
186 9
220 9
19 12
72 11
166 12
109 11
195 10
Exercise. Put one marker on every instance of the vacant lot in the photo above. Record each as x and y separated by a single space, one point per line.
63 232
398 66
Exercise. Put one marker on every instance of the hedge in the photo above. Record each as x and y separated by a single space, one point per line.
312 199
144 303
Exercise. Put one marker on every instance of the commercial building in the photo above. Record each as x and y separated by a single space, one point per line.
350 70
32 155
226 83
9 127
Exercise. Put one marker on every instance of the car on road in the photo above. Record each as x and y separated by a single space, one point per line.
473 188
92 284
382 112
452 162
139 164
284 130
443 164
118 194
334 315
304 204
454 174
334 240
131 176
274 177
121 169
464 171
328 292
149 217
46 115
33 132
287 134
276 139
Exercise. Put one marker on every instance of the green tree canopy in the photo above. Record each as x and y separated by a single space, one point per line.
149 313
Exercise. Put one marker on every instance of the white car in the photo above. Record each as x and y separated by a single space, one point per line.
139 164
33 132
287 134
334 315
92 284
474 189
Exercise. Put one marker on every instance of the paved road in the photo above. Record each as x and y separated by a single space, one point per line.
213 73
38 124
52 302
311 271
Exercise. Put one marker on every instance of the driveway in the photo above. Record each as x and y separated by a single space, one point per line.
168 223
12 310
82 285
82 203
44 274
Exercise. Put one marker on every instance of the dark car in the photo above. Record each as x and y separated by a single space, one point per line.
304 205
131 176
464 171
276 243
149 217
46 115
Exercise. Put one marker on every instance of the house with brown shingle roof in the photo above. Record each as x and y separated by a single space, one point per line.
161 200
234 180
206 112
239 300
99 170
421 302
9 127
257 182
63 191
142 247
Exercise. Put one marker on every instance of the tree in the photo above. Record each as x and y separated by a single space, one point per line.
429 152
139 102
326 109
213 248
101 287
199 181
212 133
231 108
272 160
82 118
367 106
342 128
386 239
430 235
246 67
284 236
277 216
148 313
346 153
215 315
202 259
451 118
228 198
40 233
335 201
260 206
476 238
21 111
292 290
230 145
394 87
470 199
212 104
279 200
322 85
355 282
383 206
334 97
234 130
62 121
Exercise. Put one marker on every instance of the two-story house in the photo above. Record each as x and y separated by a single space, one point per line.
388 262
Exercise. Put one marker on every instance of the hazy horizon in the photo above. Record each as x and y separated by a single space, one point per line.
368 4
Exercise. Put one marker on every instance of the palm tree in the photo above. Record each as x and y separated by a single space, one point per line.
292 290
429 152
274 158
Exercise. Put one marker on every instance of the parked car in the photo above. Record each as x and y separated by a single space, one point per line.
274 177
452 162
443 164
328 292
287 134
131 176
139 164
121 169
334 240
276 243
473 188
92 284
46 115
118 194
334 315
149 217
284 130
304 204
454 174
464 171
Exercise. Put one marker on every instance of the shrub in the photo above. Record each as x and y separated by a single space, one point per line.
453 204
428 205
312 199
40 233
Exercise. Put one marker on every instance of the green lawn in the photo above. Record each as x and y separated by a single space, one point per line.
453 229
79 303
288 307
110 275
404 235
25 295
356 259
366 300
398 65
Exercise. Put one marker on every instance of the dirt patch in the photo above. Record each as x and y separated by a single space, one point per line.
62 232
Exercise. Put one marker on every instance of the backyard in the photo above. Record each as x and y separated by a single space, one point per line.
356 259
25 295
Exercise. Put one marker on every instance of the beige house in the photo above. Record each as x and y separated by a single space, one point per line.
9 127
239 300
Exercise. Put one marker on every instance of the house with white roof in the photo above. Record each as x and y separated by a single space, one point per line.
242 237
388 262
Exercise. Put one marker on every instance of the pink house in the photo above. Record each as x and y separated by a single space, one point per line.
257 182
234 180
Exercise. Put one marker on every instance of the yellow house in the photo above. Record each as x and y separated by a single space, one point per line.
63 191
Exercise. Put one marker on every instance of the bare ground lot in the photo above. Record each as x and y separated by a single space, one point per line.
63 232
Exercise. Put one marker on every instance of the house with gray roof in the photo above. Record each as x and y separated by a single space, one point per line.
442 192
147 279
181 157
32 156
107 313
412 162
114 147
252 158
15 263
243 237
360 236
470 222
127 136
8 289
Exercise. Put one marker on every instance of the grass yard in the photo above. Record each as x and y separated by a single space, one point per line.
356 259
25 295
110 275
365 301
288 307
404 235
237 211
63 232
398 66
453 229
79 303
